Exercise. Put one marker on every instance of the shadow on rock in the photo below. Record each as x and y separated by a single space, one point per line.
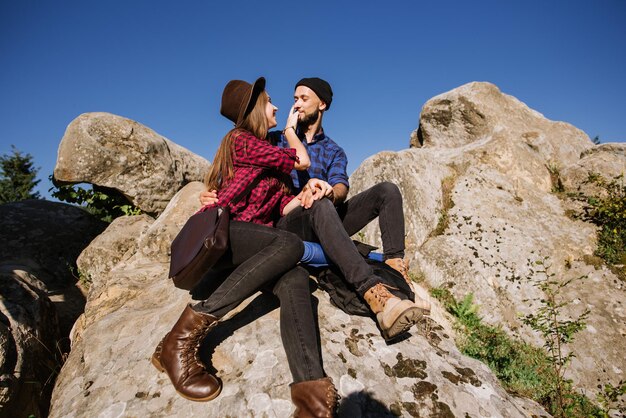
362 404
261 305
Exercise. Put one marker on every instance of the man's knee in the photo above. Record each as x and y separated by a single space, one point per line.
388 189
322 206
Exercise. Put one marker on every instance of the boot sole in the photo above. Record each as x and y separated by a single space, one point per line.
403 323
156 362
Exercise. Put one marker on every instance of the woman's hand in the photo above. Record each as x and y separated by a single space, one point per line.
292 120
208 197
304 161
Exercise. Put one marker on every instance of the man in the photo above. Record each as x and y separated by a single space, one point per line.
317 219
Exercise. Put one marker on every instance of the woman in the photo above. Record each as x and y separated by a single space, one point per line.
259 255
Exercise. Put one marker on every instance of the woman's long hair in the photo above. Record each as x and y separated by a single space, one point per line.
222 168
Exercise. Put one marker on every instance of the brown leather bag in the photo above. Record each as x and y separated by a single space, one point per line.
197 247
201 243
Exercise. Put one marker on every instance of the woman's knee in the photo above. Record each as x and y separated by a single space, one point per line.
291 245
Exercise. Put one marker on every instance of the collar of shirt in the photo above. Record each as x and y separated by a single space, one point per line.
320 136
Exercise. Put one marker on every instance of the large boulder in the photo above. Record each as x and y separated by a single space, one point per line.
478 111
45 238
133 304
480 211
133 247
29 337
609 160
39 297
119 153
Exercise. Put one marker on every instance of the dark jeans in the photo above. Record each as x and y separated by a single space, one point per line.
332 229
384 201
260 256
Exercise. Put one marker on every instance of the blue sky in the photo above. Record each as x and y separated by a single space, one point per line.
164 64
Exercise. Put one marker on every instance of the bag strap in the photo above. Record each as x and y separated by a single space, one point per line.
248 189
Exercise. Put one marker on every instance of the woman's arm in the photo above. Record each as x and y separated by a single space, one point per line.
294 142
295 202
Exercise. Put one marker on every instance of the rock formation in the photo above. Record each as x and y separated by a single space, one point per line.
118 153
39 297
132 305
480 211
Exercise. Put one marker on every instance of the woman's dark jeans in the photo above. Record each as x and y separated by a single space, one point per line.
332 227
260 256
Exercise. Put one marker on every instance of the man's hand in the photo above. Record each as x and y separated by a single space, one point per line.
208 197
315 189
320 188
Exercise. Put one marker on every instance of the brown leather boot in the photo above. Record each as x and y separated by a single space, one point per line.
177 354
402 267
394 315
315 398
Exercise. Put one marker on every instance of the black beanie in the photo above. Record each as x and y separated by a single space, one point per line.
320 87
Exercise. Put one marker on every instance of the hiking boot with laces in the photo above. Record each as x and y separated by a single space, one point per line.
177 355
315 398
394 315
402 267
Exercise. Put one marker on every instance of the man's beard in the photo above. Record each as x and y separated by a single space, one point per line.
309 119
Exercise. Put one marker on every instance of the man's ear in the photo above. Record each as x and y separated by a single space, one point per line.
322 105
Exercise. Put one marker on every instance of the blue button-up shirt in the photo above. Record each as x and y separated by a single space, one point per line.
328 160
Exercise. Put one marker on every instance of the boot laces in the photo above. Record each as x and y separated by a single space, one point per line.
381 291
190 357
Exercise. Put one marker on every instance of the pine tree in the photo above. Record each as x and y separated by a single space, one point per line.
17 178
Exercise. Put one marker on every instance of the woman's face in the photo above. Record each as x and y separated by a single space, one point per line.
270 113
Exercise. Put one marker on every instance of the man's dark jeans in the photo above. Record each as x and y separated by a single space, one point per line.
332 229
260 256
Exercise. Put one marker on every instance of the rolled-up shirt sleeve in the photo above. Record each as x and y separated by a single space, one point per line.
250 150
337 169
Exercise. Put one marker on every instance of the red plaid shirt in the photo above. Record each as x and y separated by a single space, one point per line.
252 156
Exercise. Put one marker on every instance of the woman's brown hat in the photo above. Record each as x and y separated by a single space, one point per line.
239 98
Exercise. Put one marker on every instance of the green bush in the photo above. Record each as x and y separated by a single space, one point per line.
608 212
104 203
523 369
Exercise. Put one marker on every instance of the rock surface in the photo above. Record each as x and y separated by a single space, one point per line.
119 153
39 297
44 239
29 332
133 305
479 211
606 159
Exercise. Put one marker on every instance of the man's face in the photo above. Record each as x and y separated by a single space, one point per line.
308 105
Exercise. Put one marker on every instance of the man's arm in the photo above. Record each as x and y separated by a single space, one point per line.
340 192
338 176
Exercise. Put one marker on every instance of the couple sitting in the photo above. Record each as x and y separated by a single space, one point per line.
266 233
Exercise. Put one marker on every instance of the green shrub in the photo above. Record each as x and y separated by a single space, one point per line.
523 369
104 203
608 212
